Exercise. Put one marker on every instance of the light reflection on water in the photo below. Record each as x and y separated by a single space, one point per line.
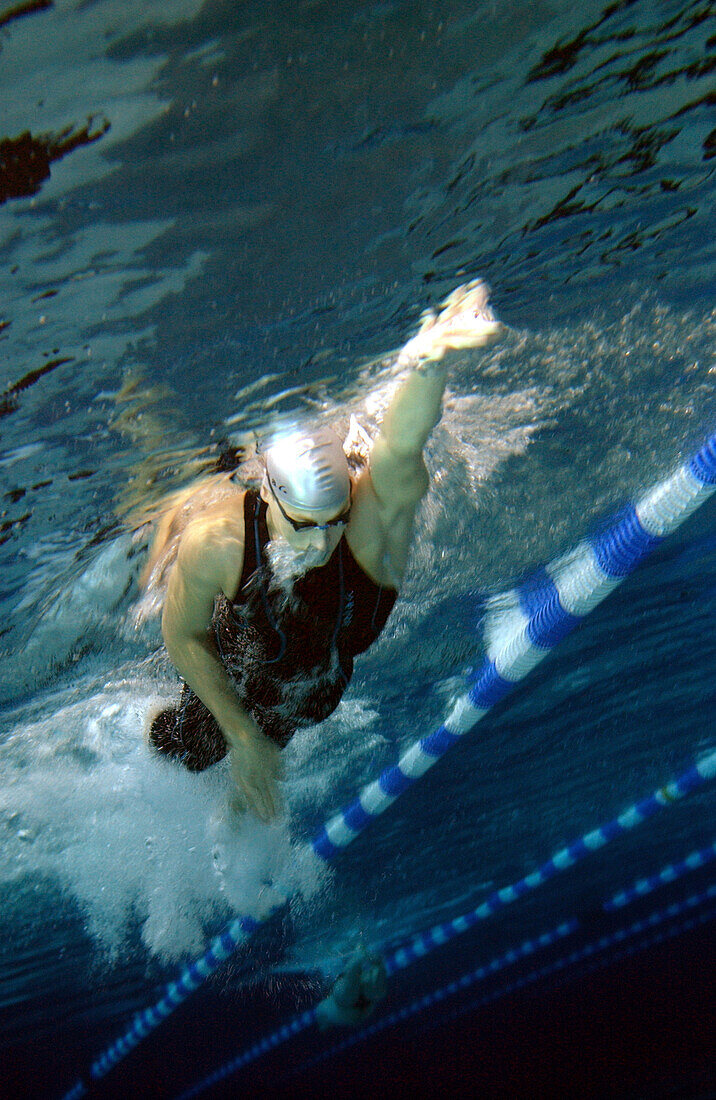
272 206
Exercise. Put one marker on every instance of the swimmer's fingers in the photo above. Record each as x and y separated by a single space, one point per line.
471 296
474 335
465 320
263 796
466 330
265 785
264 802
455 336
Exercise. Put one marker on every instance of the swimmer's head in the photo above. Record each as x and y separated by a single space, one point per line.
307 471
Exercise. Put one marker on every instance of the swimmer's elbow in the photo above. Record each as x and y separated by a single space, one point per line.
188 650
181 630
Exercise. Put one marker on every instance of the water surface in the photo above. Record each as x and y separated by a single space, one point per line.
224 213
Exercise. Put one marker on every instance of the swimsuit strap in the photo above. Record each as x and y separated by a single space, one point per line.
341 594
262 581
341 605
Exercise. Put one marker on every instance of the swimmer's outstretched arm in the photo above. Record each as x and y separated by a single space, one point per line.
389 491
465 320
208 562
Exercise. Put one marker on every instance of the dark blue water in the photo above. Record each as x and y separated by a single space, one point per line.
214 214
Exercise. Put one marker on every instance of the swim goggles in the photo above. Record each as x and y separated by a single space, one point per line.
305 524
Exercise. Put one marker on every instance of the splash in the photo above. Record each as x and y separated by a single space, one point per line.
137 842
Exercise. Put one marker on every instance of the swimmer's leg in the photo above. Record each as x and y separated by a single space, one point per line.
188 734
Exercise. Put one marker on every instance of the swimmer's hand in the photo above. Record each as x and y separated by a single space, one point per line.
465 320
255 768
355 993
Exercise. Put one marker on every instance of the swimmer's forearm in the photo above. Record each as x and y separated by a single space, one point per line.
416 406
464 320
199 665
414 411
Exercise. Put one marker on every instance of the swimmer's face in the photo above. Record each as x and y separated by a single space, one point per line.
315 543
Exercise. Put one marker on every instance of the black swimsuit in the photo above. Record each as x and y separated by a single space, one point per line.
290 655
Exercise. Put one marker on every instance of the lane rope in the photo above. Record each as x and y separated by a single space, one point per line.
670 873
587 953
553 603
424 943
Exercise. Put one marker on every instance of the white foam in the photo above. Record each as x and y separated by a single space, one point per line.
139 843
130 837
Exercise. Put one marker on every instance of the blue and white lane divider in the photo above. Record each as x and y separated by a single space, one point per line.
551 604
555 606
191 977
420 945
596 953
516 954
299 1023
670 873
77 1092
417 947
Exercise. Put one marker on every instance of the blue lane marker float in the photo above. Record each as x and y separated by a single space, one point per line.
255 1051
581 580
422 944
551 604
589 952
690 780
668 874
599 953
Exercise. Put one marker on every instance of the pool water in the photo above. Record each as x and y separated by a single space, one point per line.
215 215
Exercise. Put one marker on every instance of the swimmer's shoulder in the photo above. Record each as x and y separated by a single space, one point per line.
214 539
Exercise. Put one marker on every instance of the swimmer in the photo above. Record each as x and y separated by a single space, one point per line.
275 592
355 992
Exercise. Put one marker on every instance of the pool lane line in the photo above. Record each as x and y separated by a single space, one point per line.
552 602
424 943
668 874
589 952
552 608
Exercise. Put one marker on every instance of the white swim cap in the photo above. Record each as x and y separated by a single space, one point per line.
308 470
